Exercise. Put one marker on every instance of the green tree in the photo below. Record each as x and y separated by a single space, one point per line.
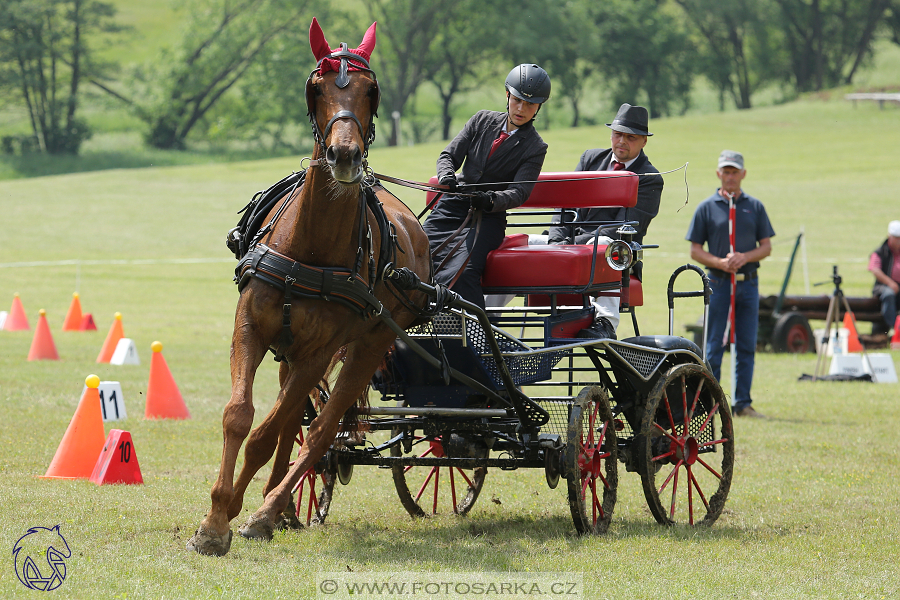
561 41
406 54
462 51
223 39
44 56
643 49
829 39
740 48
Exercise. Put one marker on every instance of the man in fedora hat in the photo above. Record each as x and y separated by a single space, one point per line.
752 230
629 136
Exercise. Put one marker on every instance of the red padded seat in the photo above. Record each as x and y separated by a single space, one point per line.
576 189
517 265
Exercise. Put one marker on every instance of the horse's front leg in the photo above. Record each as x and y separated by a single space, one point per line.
247 350
280 427
277 430
363 357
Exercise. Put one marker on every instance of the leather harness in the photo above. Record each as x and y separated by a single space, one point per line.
342 285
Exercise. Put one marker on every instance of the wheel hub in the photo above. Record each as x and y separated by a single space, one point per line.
685 449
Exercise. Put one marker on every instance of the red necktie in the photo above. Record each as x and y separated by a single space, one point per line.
617 166
497 142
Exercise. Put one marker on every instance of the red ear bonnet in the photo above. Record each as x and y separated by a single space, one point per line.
321 49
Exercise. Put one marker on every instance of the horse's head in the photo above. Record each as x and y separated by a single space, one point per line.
342 98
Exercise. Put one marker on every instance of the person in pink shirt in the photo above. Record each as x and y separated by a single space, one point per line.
884 264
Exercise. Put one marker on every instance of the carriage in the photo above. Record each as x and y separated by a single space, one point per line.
332 265
512 387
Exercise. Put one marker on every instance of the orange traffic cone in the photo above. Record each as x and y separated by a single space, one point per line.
16 319
83 441
895 341
853 344
42 346
73 317
164 401
112 338
87 323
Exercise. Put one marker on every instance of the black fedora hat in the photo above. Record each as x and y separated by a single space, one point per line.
631 119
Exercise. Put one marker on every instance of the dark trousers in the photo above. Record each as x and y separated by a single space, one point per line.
890 303
441 224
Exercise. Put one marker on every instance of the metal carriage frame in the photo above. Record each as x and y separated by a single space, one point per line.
454 405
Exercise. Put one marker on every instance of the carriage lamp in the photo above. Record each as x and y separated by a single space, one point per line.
621 255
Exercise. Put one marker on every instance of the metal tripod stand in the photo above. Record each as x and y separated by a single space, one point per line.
833 316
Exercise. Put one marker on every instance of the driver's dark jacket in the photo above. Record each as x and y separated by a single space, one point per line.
517 159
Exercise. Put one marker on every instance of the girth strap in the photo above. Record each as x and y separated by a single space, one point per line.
298 279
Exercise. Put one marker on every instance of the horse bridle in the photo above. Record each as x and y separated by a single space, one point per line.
342 81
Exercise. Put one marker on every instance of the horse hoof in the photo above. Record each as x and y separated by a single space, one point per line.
257 528
210 545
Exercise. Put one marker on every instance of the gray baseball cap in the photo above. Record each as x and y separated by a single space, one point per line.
730 158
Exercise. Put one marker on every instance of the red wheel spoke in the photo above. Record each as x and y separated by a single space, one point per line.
665 399
427 480
464 476
669 478
684 409
713 443
709 468
426 453
667 434
697 485
437 482
690 496
674 491
709 417
662 456
597 506
313 501
696 399
603 479
453 489
592 420
584 485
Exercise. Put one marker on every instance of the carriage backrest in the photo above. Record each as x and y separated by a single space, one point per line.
577 189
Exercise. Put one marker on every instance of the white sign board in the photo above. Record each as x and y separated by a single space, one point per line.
125 354
2 319
882 368
112 402
847 364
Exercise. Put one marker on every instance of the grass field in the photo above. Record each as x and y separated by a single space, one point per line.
812 511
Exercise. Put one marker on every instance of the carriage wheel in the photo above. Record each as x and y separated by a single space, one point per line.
314 490
590 461
792 334
434 487
686 447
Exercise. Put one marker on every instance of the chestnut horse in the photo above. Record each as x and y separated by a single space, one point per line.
326 223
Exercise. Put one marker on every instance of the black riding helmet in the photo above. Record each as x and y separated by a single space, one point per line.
530 83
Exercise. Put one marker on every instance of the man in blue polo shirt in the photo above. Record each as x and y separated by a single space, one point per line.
752 244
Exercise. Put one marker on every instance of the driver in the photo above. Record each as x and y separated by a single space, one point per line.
499 148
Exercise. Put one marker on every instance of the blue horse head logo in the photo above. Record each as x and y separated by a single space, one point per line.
40 558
